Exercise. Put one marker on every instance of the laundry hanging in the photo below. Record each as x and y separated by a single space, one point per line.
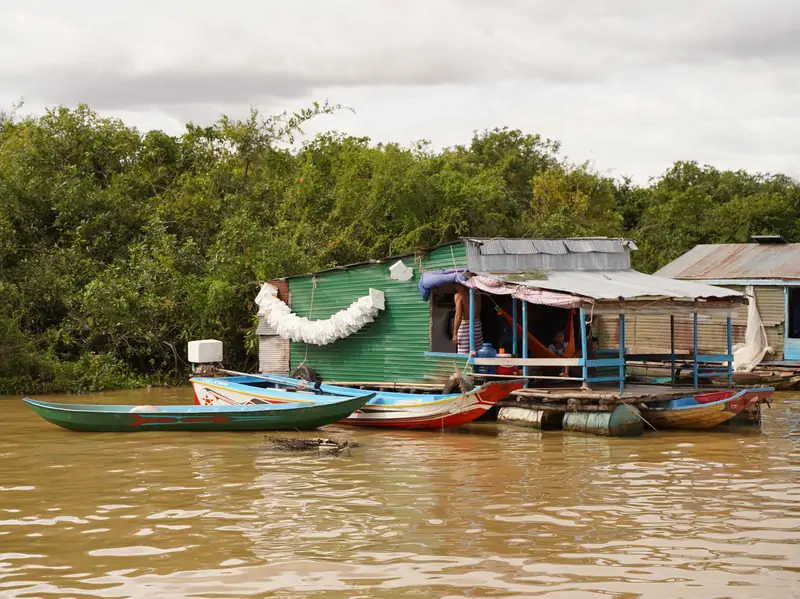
537 349
318 332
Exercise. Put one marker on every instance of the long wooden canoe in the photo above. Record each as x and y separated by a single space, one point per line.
117 418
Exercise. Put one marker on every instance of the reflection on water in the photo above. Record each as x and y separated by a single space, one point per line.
485 511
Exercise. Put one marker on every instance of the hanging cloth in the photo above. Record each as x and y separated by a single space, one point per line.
536 348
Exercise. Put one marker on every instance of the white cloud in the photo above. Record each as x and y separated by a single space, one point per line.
628 84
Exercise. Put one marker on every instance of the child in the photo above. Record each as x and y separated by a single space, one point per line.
558 347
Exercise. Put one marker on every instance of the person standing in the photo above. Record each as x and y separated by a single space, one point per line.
461 321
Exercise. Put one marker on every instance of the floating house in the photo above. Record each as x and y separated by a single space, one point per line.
767 270
522 291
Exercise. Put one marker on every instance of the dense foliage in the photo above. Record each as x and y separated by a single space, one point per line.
117 247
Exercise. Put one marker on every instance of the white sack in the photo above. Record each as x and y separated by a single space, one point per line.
318 332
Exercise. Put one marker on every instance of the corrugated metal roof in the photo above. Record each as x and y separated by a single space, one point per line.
519 246
570 245
731 261
595 245
524 255
547 246
625 285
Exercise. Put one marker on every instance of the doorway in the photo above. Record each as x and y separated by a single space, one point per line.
791 350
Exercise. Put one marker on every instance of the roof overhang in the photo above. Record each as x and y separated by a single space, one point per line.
615 292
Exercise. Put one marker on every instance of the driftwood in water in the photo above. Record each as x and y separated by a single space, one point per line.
302 444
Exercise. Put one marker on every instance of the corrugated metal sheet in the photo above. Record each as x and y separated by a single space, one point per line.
548 246
625 284
263 329
519 246
731 261
392 348
508 263
610 246
273 352
520 255
273 355
492 247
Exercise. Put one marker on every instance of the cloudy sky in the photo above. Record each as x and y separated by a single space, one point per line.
629 85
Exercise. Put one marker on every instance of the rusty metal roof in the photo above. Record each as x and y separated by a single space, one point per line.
733 261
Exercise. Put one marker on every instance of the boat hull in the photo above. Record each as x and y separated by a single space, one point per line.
700 415
221 418
386 410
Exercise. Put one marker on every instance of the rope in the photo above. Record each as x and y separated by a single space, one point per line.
419 261
639 415
310 315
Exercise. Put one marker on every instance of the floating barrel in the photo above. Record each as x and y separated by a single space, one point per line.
623 421
530 417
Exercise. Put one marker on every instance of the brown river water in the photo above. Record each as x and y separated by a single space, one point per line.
483 511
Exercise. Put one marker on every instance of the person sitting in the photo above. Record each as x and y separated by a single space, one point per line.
558 347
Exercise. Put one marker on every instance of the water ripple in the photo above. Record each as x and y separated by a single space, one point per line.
484 512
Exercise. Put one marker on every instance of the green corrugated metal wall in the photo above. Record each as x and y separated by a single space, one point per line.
392 348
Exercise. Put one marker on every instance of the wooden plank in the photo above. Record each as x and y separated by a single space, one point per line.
529 377
527 361
399 386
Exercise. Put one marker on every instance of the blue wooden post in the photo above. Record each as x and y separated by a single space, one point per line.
524 336
585 347
471 320
515 336
730 352
696 377
622 353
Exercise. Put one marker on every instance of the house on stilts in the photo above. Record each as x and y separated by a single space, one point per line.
523 292
767 271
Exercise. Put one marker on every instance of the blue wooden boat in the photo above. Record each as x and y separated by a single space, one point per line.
386 409
123 418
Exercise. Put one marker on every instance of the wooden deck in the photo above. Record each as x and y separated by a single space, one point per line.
601 398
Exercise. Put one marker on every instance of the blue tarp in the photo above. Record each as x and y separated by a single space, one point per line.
431 279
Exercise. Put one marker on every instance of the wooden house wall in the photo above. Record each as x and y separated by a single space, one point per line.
273 352
651 333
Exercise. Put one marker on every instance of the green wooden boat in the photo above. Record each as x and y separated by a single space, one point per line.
271 417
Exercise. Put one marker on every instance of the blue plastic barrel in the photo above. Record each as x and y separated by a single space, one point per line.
487 351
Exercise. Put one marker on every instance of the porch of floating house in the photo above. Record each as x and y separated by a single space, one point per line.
607 366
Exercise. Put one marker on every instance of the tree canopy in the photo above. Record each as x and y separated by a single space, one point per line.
117 247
